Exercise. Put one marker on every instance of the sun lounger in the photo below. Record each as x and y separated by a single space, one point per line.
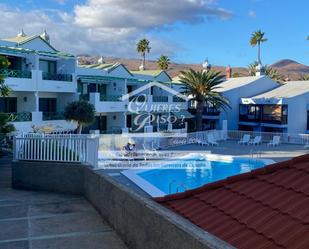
257 140
211 140
202 142
245 139
275 141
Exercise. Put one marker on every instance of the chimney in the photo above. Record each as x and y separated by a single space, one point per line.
228 72
206 66
259 70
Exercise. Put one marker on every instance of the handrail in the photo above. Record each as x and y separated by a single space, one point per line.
113 98
19 117
56 77
12 73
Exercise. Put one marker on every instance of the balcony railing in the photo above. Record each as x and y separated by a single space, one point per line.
57 77
160 98
249 118
209 111
178 99
275 119
10 73
113 98
139 98
19 117
53 116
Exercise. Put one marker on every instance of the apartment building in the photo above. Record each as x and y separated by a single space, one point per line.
120 95
41 79
284 109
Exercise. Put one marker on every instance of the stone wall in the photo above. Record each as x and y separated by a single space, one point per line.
140 222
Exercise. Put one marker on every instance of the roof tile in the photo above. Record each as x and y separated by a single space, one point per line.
266 208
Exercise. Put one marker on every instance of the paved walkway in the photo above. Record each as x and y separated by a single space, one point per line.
40 220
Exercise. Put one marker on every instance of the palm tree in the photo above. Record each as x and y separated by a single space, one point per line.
256 39
203 86
274 75
252 68
304 77
269 71
143 48
163 62
81 112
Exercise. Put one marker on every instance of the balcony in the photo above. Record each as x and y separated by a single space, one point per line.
10 73
210 111
53 116
107 103
57 77
275 119
248 118
178 99
19 117
139 98
112 98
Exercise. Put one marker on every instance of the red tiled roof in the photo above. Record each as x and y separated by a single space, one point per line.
265 208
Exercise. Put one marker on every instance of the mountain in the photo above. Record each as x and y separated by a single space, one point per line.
287 68
291 68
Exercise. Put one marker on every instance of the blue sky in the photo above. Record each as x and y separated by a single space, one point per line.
219 32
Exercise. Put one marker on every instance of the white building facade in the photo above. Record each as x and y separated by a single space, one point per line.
44 80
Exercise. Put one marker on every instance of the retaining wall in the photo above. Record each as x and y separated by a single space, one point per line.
140 222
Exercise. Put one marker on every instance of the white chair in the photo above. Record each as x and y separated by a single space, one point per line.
245 139
202 142
257 140
275 141
211 140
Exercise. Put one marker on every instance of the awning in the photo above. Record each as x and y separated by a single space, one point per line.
183 114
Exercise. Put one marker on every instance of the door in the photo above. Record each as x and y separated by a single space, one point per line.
129 121
129 89
48 105
102 123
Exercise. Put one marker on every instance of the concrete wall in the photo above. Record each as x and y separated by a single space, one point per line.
140 222
55 177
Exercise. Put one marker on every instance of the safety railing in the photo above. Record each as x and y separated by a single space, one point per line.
57 77
10 73
53 116
19 117
113 98
160 98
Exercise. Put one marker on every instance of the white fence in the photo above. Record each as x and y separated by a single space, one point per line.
85 148
57 148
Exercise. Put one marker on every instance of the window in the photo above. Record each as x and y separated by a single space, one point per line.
48 66
8 104
48 105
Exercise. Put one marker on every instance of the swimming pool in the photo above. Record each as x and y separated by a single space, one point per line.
191 172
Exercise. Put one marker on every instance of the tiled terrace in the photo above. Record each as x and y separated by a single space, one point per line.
40 220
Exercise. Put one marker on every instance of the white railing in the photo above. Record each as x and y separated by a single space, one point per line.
57 148
287 138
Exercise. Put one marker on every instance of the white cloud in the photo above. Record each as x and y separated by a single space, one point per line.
252 14
143 14
109 27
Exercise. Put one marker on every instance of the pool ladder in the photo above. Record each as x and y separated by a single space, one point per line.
255 155
178 187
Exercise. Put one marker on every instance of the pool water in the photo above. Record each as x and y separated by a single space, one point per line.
195 172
